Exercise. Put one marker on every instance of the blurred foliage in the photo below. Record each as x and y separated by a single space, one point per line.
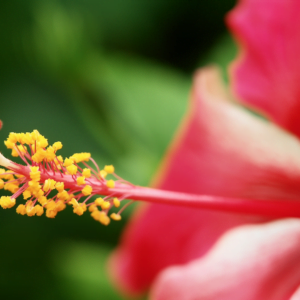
107 77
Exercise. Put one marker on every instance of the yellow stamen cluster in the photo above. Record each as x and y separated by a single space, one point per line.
48 174
7 202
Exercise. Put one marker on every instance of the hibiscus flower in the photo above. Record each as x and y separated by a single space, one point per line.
224 150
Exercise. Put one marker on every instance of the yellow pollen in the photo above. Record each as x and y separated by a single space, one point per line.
79 157
42 200
103 174
57 146
86 173
74 202
26 194
115 217
63 195
60 205
7 202
46 175
12 187
60 186
80 180
99 201
110 184
72 169
109 169
21 209
116 202
49 185
87 190
39 210
51 213
35 174
93 207
105 205
103 218
21 149
68 162
51 205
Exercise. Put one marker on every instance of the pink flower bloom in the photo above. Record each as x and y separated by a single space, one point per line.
223 150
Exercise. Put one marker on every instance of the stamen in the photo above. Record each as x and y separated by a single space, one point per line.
46 173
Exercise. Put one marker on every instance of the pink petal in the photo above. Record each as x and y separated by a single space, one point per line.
221 150
267 73
296 294
254 262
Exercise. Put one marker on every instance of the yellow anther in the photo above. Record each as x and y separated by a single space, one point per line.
21 149
79 157
72 169
35 174
49 185
39 210
9 144
57 146
42 142
51 205
74 202
79 210
96 215
13 138
8 174
70 197
21 209
80 180
50 153
27 138
103 174
99 201
109 169
86 173
30 209
68 162
26 194
60 186
1 184
110 184
51 213
12 187
7 202
115 217
105 205
87 190
38 193
103 218
60 205
39 155
42 200
116 202
63 195
34 135
93 207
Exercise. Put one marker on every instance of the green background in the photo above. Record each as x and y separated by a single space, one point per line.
107 77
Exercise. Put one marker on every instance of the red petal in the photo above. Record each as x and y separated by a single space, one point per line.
254 262
267 73
221 150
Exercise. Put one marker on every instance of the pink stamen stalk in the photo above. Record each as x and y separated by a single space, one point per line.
271 208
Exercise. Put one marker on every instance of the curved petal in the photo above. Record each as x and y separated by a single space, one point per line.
267 73
254 262
221 150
